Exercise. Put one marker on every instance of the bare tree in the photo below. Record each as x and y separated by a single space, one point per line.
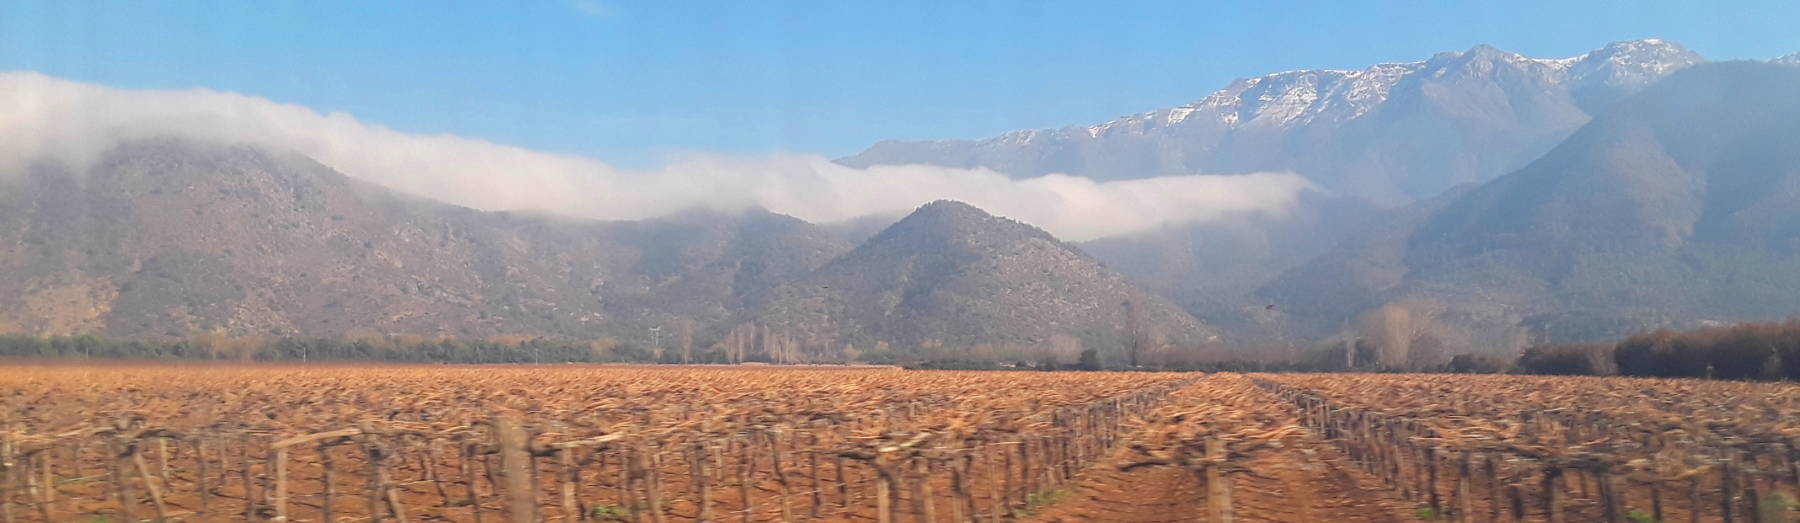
1135 337
684 336
738 341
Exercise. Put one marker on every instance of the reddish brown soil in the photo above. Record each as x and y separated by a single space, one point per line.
1307 480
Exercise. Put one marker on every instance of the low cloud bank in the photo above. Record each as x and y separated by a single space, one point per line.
45 118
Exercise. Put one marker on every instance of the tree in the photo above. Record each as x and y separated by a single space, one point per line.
1742 353
602 349
1569 360
684 337
220 345
1090 360
1134 332
1391 329
1476 364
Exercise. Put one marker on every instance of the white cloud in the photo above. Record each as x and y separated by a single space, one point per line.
48 118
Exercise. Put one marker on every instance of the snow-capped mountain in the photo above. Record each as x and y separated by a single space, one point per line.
1282 99
1677 206
1391 132
1623 68
1792 59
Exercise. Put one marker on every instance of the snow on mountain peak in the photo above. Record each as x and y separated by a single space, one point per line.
1633 63
1301 96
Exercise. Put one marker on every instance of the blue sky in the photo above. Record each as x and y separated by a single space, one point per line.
633 82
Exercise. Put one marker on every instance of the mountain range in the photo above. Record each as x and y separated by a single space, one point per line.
168 238
1675 207
1490 199
1370 139
1391 133
1385 144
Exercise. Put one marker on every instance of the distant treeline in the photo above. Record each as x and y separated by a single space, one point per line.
525 349
1753 351
1760 351
395 348
772 348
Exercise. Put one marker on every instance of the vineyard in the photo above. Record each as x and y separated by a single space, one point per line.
1509 448
657 444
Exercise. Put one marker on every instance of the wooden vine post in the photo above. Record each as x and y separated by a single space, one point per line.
8 473
745 461
279 463
568 475
143 471
1725 490
280 498
650 471
1553 494
1612 495
201 477
1218 486
843 483
779 470
1464 505
1431 480
921 490
327 479
372 478
698 478
121 487
244 475
812 464
515 470
961 469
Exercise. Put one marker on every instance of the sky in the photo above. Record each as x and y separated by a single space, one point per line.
641 84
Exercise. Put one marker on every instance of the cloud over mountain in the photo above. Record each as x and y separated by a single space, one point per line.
51 119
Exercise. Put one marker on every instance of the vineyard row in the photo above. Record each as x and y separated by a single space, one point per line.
1555 464
500 469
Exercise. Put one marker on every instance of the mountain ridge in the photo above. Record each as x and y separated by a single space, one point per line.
1673 207
1326 123
949 269
170 238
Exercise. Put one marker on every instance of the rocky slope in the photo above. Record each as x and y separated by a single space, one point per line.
170 238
